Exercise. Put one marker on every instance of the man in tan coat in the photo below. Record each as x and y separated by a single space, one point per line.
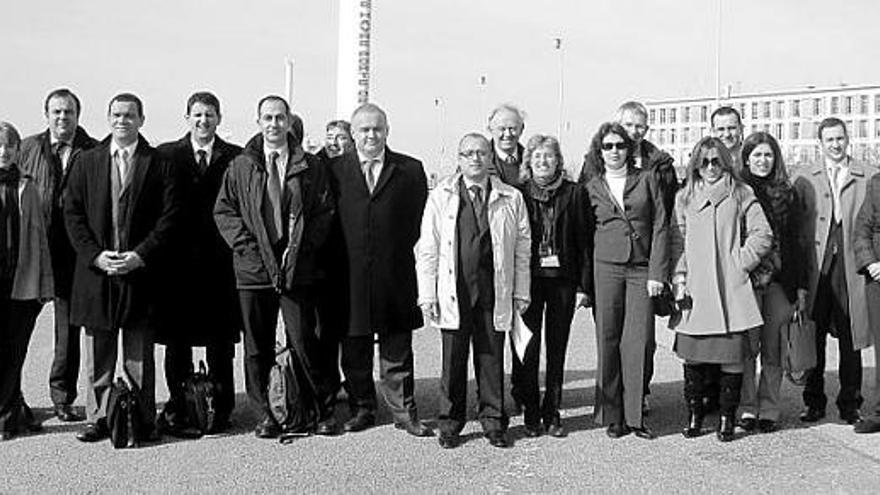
831 192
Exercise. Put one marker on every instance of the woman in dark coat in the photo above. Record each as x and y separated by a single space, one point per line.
713 330
560 279
629 267
775 280
25 281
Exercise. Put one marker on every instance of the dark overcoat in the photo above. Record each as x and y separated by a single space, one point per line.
378 232
37 160
201 307
149 230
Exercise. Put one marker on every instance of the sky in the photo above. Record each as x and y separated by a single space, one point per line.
427 59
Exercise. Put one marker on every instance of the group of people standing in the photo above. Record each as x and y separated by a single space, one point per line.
198 241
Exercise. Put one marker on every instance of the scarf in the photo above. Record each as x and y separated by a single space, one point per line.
545 196
9 221
775 199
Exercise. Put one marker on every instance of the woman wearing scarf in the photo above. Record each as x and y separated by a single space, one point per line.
714 276
560 279
629 267
25 281
775 280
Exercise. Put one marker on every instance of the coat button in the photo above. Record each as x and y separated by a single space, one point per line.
821 219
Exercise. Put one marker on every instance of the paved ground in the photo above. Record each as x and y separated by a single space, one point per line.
824 458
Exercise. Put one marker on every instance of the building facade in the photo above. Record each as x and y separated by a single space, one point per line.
792 117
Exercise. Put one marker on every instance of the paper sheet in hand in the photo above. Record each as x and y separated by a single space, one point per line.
521 335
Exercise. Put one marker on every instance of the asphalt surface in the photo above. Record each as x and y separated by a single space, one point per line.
823 458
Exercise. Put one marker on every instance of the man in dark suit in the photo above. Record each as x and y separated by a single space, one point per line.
121 208
201 309
47 157
275 210
831 193
506 124
380 196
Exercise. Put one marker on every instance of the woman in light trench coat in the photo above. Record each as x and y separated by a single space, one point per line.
711 279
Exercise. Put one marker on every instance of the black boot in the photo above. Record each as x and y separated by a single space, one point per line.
730 385
693 395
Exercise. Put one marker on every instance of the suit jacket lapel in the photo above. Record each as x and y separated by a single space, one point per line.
385 175
135 179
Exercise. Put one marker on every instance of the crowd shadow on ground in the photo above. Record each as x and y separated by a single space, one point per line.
667 415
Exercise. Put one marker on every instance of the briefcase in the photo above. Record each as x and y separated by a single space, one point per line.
123 416
798 344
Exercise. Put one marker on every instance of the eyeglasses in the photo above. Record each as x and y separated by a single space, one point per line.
715 162
610 146
473 154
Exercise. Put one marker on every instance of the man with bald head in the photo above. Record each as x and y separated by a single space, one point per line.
506 124
380 195
473 262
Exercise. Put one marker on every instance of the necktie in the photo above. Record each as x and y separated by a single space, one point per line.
122 166
274 190
835 193
368 174
203 160
60 150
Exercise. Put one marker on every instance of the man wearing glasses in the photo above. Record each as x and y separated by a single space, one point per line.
473 273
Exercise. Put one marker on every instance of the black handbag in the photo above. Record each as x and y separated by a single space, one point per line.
123 416
199 395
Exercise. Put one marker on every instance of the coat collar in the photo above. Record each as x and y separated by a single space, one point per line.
497 190
296 160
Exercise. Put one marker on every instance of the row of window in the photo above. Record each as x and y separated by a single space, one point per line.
795 130
778 109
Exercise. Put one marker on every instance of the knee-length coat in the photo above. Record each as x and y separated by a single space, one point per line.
717 238
378 232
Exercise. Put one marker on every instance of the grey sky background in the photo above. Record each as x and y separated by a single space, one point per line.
425 50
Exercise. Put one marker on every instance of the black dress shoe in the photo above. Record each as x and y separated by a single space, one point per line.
868 425
617 430
498 438
767 425
328 427
7 435
448 440
65 413
556 430
533 431
93 432
415 428
812 414
360 422
851 416
268 428
748 423
643 432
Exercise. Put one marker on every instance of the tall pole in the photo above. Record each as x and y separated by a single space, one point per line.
288 80
558 44
483 84
718 56
353 64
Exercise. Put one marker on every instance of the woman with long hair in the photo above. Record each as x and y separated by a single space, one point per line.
718 235
775 280
560 279
630 263
25 281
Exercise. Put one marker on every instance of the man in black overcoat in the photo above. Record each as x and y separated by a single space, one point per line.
380 197
121 208
201 307
47 157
